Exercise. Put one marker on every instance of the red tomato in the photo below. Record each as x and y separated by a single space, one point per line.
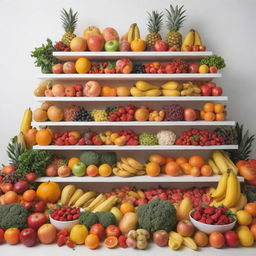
97 229
113 230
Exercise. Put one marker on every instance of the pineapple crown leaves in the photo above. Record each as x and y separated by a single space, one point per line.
69 20
155 21
175 18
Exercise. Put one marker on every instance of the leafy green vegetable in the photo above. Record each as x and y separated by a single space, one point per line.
44 57
250 192
156 215
213 60
90 157
33 161
13 216
88 218
108 158
106 218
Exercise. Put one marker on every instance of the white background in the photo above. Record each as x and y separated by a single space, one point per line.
227 28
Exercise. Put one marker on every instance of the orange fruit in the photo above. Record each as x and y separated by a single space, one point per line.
12 236
186 168
92 170
216 239
82 65
169 159
206 170
73 161
44 137
220 117
111 242
201 238
49 191
253 221
92 241
152 169
107 91
219 108
253 230
209 116
195 171
173 169
47 233
105 170
196 161
208 107
138 45
181 160
251 208
157 158
10 197
29 195
240 163
127 207
202 113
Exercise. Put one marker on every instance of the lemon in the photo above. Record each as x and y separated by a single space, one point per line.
82 65
78 234
245 237
105 170
244 217
203 69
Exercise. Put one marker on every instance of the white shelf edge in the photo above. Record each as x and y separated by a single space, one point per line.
127 148
128 99
137 179
136 123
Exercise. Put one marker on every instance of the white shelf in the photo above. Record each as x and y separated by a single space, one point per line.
128 99
152 55
136 123
137 179
127 148
185 76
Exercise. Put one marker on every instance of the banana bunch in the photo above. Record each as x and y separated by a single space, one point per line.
228 191
176 241
71 195
171 88
26 121
133 32
190 89
128 167
192 38
143 88
221 163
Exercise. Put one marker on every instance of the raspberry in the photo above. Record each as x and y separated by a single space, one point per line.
61 240
70 244
122 241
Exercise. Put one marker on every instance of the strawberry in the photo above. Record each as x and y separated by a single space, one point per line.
70 244
63 232
209 210
61 240
197 215
209 221
122 241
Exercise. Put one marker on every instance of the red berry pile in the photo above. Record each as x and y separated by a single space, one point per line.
154 68
63 238
213 216
199 138
176 66
122 114
130 136
60 46
66 213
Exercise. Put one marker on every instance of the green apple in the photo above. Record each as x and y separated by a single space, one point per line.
79 169
111 46
117 213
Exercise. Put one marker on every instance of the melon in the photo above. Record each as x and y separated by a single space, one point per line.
40 115
141 114
122 91
55 114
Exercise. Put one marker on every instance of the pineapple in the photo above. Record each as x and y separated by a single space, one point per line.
155 20
14 150
69 22
175 18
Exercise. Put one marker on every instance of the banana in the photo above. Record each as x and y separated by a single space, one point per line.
176 236
197 40
67 193
128 168
133 194
97 201
222 186
153 92
189 39
141 194
26 121
121 173
171 85
240 204
106 205
220 161
21 141
141 173
134 163
190 243
85 198
145 86
88 202
174 244
136 92
130 36
124 160
214 167
233 186
171 92
78 193
136 32
229 163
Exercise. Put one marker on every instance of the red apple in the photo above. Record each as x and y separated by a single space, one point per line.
20 187
124 46
213 69
36 220
91 30
69 67
95 43
190 114
217 91
6 186
202 48
211 84
8 169
187 48
124 66
31 176
78 87
161 238
57 68
185 228
40 206
28 237
110 34
92 89
206 90
70 91
160 45
27 205
79 94
232 239
193 68
195 48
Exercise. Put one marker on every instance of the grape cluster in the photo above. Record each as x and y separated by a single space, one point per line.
83 115
139 69
99 115
228 135
11 178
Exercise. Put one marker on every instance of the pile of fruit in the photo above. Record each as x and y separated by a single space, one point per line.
213 112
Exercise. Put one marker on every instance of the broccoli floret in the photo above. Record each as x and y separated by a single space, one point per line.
13 216
106 218
156 215
88 218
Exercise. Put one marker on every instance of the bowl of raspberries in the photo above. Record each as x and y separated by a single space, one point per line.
209 219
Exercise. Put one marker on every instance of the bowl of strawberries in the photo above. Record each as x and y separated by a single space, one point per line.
209 219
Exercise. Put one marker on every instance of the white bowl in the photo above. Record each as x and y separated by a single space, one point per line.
207 228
